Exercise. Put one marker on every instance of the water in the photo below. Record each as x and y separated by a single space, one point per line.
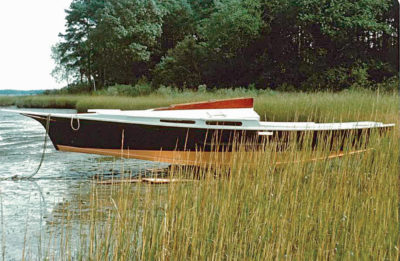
26 206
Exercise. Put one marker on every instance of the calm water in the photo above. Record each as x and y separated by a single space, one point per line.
27 206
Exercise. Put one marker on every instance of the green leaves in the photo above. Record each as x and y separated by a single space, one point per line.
183 65
224 43
131 27
233 26
344 17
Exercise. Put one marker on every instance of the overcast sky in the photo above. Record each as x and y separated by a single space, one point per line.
28 29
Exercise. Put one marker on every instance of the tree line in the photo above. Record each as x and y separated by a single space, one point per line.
291 44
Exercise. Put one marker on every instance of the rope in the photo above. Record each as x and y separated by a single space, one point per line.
16 177
72 123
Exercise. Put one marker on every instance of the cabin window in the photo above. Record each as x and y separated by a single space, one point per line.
226 123
179 121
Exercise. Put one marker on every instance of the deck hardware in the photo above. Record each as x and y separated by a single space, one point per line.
265 133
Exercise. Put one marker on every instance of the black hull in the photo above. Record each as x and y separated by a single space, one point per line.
116 136
112 135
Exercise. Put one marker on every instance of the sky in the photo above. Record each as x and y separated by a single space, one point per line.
28 29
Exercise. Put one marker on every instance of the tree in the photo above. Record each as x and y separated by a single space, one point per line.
182 66
125 38
178 21
306 44
344 33
62 71
233 26
76 50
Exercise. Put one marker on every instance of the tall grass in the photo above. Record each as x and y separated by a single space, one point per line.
43 101
7 100
346 208
272 106
343 209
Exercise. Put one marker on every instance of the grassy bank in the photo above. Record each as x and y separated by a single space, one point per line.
8 100
42 101
322 106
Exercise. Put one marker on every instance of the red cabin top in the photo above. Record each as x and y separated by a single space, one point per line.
237 103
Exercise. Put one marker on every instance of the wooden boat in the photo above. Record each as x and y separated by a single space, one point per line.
191 134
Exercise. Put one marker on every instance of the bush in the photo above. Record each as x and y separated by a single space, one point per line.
140 89
338 78
75 88
202 88
389 85
167 91
285 87
181 66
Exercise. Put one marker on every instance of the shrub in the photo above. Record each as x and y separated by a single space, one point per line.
285 87
167 90
202 88
140 89
181 66
338 78
389 85
76 88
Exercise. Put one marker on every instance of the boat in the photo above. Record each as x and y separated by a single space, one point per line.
192 133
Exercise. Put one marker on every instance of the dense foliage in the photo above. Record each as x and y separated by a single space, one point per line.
286 44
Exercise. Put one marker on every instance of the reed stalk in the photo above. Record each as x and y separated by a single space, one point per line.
254 208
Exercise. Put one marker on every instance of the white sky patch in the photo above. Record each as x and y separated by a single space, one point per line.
28 30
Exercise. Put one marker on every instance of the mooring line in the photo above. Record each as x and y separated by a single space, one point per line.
30 176
72 123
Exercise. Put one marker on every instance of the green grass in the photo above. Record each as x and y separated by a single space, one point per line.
272 106
345 208
339 209
7 100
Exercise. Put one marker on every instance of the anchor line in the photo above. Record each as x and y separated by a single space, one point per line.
30 176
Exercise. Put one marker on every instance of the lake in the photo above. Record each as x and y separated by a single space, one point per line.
29 207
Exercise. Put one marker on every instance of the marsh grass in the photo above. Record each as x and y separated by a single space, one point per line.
271 105
7 100
253 208
43 101
343 209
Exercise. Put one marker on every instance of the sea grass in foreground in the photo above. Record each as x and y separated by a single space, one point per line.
346 208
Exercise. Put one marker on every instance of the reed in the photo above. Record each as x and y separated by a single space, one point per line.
43 101
272 106
344 208
7 100
254 208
